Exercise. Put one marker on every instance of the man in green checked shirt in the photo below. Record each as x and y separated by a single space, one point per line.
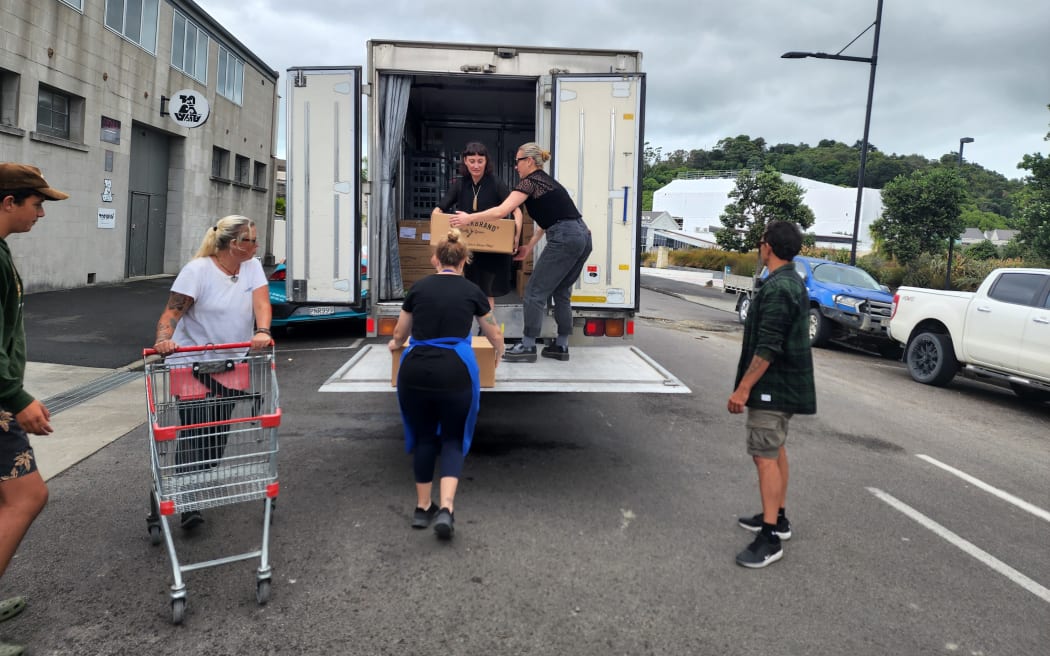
774 381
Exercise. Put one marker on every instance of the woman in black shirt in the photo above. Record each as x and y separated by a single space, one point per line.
478 189
559 266
437 383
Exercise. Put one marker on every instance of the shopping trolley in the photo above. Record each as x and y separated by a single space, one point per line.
213 415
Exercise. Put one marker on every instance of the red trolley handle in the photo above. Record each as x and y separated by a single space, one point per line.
207 347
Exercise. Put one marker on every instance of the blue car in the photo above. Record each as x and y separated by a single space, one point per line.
846 304
288 313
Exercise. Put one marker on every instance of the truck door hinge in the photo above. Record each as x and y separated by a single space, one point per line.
300 79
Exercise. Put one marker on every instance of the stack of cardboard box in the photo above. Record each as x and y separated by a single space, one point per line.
413 243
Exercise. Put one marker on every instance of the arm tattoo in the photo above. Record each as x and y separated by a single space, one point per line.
179 302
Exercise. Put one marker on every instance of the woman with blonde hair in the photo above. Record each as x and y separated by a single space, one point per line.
559 266
221 296
437 383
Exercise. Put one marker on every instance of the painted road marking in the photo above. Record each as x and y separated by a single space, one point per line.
1005 496
968 547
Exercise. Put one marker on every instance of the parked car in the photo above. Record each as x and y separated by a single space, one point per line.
998 334
846 303
288 313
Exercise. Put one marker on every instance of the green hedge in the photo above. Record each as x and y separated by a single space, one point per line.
927 271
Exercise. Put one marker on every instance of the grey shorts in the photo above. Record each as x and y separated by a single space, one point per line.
767 430
16 456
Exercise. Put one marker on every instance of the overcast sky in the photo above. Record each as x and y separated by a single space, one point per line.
946 68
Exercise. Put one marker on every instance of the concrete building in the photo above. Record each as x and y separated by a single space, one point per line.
700 202
153 117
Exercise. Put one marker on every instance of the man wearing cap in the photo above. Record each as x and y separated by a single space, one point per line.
23 492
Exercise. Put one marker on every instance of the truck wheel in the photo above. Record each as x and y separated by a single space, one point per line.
1030 394
743 304
819 328
931 359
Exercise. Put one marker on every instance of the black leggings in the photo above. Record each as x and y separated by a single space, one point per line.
201 448
424 410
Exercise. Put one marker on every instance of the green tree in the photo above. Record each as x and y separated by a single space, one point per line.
1035 210
921 212
982 250
757 200
278 206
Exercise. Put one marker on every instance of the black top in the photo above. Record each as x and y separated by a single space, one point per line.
548 202
490 189
441 306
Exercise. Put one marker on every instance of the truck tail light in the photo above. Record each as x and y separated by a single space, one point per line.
594 328
278 275
614 328
893 308
386 325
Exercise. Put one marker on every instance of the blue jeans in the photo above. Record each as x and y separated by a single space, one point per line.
553 275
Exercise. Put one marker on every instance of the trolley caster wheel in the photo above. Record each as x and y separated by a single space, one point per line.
178 610
262 592
154 534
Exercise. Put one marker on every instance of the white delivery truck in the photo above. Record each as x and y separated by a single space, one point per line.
423 102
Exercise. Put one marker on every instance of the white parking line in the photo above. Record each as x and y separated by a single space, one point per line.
1005 496
968 547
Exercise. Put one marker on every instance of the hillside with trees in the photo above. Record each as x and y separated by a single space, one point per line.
992 200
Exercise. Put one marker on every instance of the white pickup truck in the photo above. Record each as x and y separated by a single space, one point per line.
998 334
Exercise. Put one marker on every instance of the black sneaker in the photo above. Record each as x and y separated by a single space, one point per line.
443 525
191 519
421 518
763 551
519 353
754 524
556 352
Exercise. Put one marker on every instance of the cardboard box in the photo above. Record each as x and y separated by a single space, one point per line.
411 231
482 236
415 255
483 352
409 276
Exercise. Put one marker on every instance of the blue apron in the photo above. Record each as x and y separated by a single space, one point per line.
462 347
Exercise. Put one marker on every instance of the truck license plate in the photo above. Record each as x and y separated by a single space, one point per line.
321 310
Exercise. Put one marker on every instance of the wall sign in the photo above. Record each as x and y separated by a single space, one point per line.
107 191
189 108
107 219
110 130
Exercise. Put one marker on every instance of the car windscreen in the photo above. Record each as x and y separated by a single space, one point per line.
843 275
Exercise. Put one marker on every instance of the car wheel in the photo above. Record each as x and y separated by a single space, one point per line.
743 304
819 328
931 359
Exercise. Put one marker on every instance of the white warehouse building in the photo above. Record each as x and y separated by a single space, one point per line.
700 201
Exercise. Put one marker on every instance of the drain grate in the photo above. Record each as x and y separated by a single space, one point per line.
88 391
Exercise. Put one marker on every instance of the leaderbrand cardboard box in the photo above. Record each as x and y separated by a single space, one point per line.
483 352
415 255
483 236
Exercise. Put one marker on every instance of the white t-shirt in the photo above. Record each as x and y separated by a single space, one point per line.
222 310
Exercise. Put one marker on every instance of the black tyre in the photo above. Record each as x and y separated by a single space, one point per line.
819 328
931 359
178 610
1030 394
743 304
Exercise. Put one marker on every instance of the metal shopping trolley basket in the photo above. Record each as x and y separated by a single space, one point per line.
213 415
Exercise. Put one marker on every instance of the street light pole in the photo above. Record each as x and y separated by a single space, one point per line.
951 239
873 60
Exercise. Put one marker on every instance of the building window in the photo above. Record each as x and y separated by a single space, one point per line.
260 176
230 78
135 20
243 164
189 48
52 113
8 98
75 4
220 163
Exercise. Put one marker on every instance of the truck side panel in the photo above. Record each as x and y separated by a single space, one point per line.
323 193
597 126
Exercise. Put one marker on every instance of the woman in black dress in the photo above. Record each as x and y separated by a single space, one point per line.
478 189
